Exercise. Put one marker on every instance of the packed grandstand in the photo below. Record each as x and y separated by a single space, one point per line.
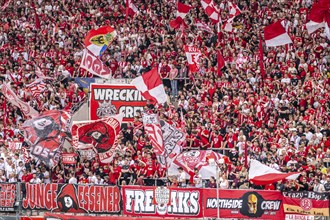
172 93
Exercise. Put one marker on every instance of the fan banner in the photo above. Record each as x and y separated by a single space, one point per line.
243 204
199 159
14 145
8 197
57 216
154 132
69 158
107 100
94 65
162 202
306 203
71 198
99 134
45 134
193 55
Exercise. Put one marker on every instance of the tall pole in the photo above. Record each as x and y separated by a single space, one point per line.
217 181
4 118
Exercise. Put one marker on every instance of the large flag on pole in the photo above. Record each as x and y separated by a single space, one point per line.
153 131
261 59
221 62
99 135
151 86
98 40
319 17
180 15
94 65
13 99
275 35
211 10
261 174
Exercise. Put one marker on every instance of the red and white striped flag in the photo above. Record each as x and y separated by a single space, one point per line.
37 87
180 15
211 10
275 35
201 26
154 132
319 17
261 174
233 10
131 9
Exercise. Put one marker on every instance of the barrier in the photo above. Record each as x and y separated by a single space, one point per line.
164 202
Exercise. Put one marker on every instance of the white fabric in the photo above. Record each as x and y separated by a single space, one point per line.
279 40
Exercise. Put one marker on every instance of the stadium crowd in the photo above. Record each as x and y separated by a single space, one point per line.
282 119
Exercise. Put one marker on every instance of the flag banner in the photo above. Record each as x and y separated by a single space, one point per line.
306 203
233 10
107 100
99 135
87 153
199 159
174 139
151 86
8 197
210 10
58 216
261 174
97 41
243 204
300 217
131 8
276 35
154 132
69 158
162 202
84 82
182 11
37 87
193 54
319 17
94 65
70 198
201 26
45 134
14 145
13 99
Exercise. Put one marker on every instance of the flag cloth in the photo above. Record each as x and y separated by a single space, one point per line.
193 55
201 26
151 87
131 9
261 59
13 99
180 15
98 134
233 10
210 10
221 63
261 174
275 35
98 40
94 65
36 87
319 17
153 131
199 159
45 134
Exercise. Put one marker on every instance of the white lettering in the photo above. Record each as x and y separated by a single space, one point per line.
129 198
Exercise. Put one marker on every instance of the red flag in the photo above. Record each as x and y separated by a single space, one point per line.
181 14
319 17
153 130
131 9
193 54
276 35
261 59
151 86
221 63
210 10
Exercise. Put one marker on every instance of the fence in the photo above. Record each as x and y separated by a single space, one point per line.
161 201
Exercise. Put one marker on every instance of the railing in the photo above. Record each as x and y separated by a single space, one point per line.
160 201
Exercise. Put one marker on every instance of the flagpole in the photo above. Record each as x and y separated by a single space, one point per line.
4 118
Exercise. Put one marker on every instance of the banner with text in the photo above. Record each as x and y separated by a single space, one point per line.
162 201
306 203
243 204
71 198
107 100
8 197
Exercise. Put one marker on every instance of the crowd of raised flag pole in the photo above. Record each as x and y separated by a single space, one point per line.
149 84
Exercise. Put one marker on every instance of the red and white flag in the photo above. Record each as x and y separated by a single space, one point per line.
40 74
151 86
180 15
275 35
193 56
37 87
98 134
6 5
261 174
319 17
261 59
154 132
211 10
13 99
233 10
94 65
200 159
201 26
221 63
131 9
